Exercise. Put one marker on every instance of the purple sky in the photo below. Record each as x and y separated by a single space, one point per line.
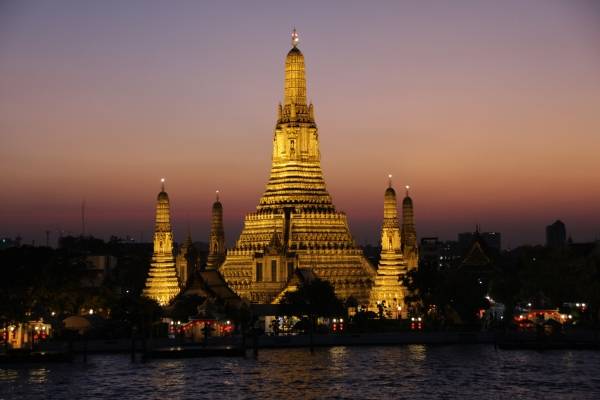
489 110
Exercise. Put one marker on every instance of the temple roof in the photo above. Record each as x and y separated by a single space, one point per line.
389 204
210 282
476 257
295 50
162 196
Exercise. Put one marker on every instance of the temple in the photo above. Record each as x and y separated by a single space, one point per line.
216 240
409 233
162 283
387 293
295 235
186 261
295 226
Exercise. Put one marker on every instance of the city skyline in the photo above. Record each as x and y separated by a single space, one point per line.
483 135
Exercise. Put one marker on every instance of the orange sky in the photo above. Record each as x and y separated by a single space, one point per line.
491 112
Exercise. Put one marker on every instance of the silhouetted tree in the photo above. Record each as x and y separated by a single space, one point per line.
441 295
314 298
185 306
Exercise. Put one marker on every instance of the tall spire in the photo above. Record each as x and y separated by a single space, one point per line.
390 217
297 206
162 184
409 233
390 206
188 239
162 284
296 175
387 292
295 77
295 38
216 241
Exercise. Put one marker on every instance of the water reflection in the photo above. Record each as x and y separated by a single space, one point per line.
38 375
169 378
417 353
337 372
8 375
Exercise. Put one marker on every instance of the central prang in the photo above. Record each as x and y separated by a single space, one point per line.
296 233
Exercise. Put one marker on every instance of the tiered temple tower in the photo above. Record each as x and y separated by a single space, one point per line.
185 262
387 290
162 284
216 245
409 233
296 224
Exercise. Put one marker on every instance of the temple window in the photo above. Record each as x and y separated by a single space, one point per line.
274 270
259 274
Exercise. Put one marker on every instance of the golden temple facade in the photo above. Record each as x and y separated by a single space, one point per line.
387 291
296 225
162 283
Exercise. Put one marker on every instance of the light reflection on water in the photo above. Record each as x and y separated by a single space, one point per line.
38 376
338 372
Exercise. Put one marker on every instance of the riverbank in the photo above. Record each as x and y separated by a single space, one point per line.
265 342
377 339
576 339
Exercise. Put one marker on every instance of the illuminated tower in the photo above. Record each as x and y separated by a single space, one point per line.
296 225
216 245
409 233
162 284
387 290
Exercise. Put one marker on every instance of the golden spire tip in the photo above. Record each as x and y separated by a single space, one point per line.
295 38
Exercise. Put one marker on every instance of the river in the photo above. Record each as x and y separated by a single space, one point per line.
414 371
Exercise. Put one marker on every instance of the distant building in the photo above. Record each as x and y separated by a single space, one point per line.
492 240
98 268
476 257
437 254
7 242
556 234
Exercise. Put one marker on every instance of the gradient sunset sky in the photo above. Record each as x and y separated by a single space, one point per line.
490 110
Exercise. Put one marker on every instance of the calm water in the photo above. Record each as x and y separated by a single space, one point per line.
340 372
